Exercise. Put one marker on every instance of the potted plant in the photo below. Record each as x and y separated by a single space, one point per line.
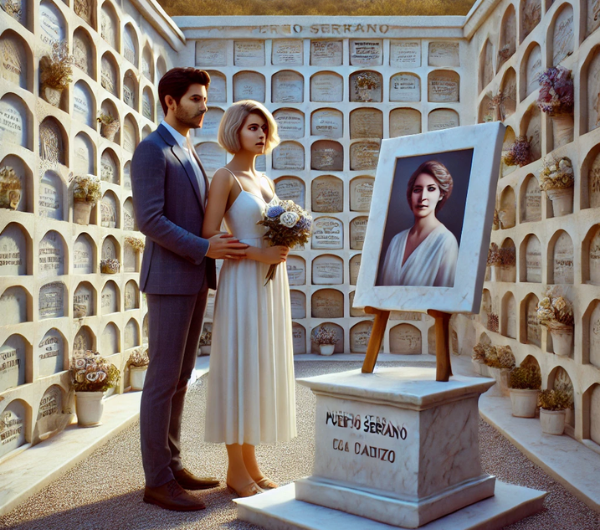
205 342
86 193
494 261
519 153
325 338
135 242
110 266
557 180
553 408
500 360
91 376
55 73
109 125
557 99
524 384
556 313
10 188
138 366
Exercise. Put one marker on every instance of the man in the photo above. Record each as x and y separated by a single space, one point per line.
169 195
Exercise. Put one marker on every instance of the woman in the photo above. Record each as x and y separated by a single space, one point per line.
426 253
251 379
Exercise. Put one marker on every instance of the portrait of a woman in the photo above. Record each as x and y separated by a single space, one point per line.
426 253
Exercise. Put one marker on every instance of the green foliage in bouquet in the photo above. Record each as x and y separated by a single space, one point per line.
91 373
555 400
525 378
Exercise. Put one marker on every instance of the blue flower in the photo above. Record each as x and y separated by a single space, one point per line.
275 211
305 223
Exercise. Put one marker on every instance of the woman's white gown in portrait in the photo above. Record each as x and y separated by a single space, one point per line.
251 395
432 263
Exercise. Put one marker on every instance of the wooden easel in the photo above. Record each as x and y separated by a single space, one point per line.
442 342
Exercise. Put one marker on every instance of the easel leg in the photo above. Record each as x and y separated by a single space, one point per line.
381 318
442 344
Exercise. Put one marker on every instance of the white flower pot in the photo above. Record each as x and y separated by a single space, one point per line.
501 376
137 376
81 212
524 402
562 341
495 273
51 95
562 201
552 421
562 129
89 407
205 350
326 349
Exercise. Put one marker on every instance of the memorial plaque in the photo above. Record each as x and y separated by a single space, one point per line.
327 270
339 338
108 74
594 182
130 48
148 64
12 363
51 255
132 334
532 201
109 302
83 104
298 338
148 105
260 164
51 417
83 155
412 316
404 122
364 155
358 229
83 255
366 86
355 312
51 196
13 251
326 87
82 52
52 300
405 339
108 24
534 127
531 14
129 135
359 336
405 54
593 91
109 168
52 23
83 301
108 210
327 303
594 258
443 86
290 189
534 69
511 312
486 65
593 23
594 338
109 248
211 122
127 176
405 87
509 90
296 270
533 260
249 85
13 65
130 90
328 123
444 53
83 340
563 38
534 332
563 259
288 52
287 87
366 52
110 340
298 303
361 193
51 142
13 306
13 121
442 119
508 36
211 53
249 53
486 307
51 353
288 155
506 213
132 296
290 123
366 123
217 90
12 430
327 194
212 155
355 268
326 53
17 9
327 155
129 259
128 216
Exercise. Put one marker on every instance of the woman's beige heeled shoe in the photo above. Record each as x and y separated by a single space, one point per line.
267 483
248 490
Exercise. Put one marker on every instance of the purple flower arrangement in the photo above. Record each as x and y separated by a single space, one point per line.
520 153
557 94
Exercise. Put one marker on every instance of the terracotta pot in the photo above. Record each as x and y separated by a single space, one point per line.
562 201
553 421
562 340
562 129
137 376
524 402
51 95
89 407
81 212
326 349
108 130
205 350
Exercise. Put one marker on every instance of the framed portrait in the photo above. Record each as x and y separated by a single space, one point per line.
430 221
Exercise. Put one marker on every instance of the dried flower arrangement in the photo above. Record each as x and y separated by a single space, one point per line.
366 81
135 242
10 188
109 125
325 336
110 266
493 257
557 174
56 69
506 358
493 322
555 311
91 373
497 105
105 118
206 338
519 153
508 256
505 52
13 9
557 94
555 399
87 189
525 378
139 358
482 351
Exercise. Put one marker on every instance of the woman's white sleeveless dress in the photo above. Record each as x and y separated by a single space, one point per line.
251 395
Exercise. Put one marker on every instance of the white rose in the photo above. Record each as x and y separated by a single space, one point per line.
289 219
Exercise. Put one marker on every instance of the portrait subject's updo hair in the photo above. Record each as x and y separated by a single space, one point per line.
232 122
440 173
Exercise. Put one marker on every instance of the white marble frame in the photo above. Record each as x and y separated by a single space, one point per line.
465 297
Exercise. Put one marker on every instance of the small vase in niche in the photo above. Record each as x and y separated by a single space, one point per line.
109 126
55 73
86 193
557 99
557 180
10 188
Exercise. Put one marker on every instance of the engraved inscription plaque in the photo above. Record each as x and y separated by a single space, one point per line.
110 340
563 259
109 301
50 353
51 196
109 248
327 270
83 255
327 155
132 296
148 105
13 60
132 334
51 142
249 85
533 260
486 65
366 86
290 189
405 339
12 363
361 193
290 123
211 53
327 303
13 121
296 270
83 340
443 86
217 90
444 53
211 122
405 87
288 155
442 119
130 47
563 38
298 338
128 216
83 155
82 52
354 268
83 301
511 312
108 24
52 300
366 123
358 229
532 201
328 123
328 233
212 155
364 155
12 427
359 336
130 90
405 54
326 87
534 332
534 69
109 168
108 74
366 52
593 23
298 304
531 14
249 53
51 256
594 182
404 122
594 260
327 194
289 52
594 338
108 210
129 135
593 90
13 306
287 87
52 23
325 53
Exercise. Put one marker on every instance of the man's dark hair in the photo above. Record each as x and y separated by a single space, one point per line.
177 81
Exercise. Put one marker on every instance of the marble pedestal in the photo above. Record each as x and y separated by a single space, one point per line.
396 446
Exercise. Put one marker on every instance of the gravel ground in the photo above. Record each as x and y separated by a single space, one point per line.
105 490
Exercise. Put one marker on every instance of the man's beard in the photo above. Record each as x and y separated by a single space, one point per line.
189 121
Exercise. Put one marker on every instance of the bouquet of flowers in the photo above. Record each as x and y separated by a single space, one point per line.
91 373
557 174
325 336
288 225
519 153
139 358
555 311
557 94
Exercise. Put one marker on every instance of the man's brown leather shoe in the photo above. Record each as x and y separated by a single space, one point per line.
171 496
189 481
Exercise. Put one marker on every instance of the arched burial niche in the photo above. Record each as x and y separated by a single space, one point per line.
110 249
366 123
328 234
531 69
563 39
109 24
327 303
292 189
361 193
130 89
130 45
18 10
217 90
84 301
440 119
249 85
328 123
84 155
590 177
132 296
290 123
531 127
591 334
508 324
508 207
86 9
110 341
508 252
129 222
531 331
591 82
355 311
15 306
298 338
15 122
146 131
590 259
52 300
148 108
109 167
359 336
443 86
13 426
366 86
213 156
127 175
327 194
288 155
404 122
531 260
509 91
592 13
486 111
132 334
131 134
13 354
53 414
405 86
51 353
406 339
84 255
326 87
52 23
52 255
108 107
84 106
354 266
83 52
25 176
486 65
109 210
531 14
287 86
328 269
110 298
148 63
161 69
52 196
561 250
84 340
591 430
339 336
358 230
108 74
327 155
296 269
508 36
364 155
15 249
52 141
509 140
298 304
559 379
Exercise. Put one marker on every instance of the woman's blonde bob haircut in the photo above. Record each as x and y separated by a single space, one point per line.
234 118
